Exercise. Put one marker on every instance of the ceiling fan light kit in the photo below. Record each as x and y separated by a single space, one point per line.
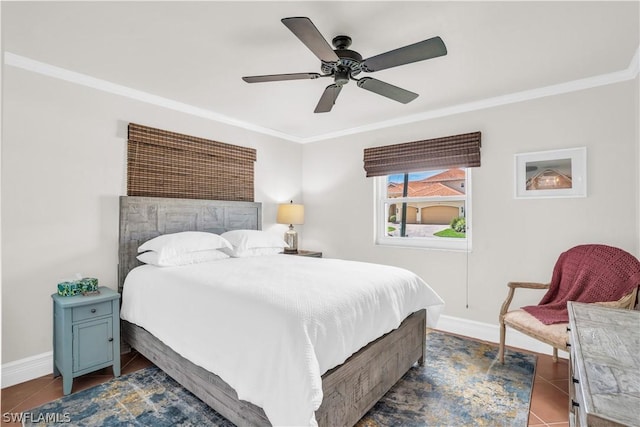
344 64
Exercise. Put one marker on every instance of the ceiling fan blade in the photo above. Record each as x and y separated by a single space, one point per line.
426 49
281 77
308 34
385 89
328 98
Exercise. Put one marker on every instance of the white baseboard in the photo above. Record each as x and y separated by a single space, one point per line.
36 366
27 369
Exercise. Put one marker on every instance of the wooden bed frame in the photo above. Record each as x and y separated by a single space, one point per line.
349 390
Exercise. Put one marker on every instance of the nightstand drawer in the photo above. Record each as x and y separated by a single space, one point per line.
91 311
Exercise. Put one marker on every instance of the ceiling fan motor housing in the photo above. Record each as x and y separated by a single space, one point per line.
348 59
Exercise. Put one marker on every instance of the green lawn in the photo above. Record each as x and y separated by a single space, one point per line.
449 233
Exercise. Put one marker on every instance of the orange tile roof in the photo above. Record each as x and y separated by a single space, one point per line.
429 187
432 189
448 175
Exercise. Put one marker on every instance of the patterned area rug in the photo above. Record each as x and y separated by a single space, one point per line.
462 384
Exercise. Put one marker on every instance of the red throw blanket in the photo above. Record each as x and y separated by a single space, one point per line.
586 273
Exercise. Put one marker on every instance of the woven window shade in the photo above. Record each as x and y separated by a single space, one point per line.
458 151
169 164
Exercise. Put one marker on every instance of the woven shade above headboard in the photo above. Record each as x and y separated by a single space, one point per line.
168 164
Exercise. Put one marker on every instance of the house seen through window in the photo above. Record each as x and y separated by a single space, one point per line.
428 209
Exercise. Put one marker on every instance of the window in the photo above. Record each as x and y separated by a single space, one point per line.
430 209
423 191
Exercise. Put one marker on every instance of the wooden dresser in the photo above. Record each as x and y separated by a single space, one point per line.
604 366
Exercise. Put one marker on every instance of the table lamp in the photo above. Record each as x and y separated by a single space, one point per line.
290 213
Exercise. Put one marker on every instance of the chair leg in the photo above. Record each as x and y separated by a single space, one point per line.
502 339
555 355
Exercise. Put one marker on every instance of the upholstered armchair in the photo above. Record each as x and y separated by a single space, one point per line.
587 273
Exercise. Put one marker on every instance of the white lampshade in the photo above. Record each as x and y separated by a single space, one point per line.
290 213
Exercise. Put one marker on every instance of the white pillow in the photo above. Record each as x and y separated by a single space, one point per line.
241 240
153 258
252 252
171 245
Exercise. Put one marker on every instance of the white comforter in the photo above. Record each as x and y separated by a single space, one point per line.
271 326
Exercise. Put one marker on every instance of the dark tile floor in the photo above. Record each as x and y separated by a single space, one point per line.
549 401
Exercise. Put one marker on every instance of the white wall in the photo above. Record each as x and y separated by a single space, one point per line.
512 239
63 169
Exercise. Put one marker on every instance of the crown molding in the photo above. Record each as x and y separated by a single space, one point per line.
49 70
572 86
634 66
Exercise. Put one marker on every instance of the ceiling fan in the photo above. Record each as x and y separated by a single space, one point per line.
343 64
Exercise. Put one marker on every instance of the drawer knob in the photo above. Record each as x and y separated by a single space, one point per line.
574 404
110 339
575 380
568 329
93 310
568 344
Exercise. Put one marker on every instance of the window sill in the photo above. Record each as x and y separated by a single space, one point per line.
442 243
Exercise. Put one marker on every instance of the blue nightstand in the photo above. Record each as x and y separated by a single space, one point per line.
86 335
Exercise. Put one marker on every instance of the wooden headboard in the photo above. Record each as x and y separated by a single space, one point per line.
143 218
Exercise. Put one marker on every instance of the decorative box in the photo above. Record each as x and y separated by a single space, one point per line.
68 289
77 287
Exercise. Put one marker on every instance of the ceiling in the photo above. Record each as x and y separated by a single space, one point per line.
195 53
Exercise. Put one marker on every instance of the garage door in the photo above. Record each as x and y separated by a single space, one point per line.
439 214
412 215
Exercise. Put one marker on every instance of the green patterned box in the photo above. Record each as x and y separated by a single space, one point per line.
68 289
89 284
77 287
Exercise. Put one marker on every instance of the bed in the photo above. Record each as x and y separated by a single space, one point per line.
348 390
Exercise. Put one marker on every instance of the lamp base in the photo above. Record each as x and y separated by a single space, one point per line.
291 237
